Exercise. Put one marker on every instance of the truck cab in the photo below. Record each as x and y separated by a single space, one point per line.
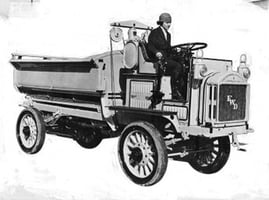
215 95
215 108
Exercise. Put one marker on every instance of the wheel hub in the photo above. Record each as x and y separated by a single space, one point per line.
147 154
136 156
26 131
141 154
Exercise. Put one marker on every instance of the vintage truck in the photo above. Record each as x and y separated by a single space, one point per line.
125 93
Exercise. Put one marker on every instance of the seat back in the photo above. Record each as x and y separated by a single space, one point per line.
146 65
142 46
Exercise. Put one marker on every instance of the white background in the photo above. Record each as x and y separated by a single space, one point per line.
62 170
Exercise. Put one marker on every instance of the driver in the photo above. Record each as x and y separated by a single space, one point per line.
159 47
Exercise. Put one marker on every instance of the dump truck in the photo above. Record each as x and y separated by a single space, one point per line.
123 93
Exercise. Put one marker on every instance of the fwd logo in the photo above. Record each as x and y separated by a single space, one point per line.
232 102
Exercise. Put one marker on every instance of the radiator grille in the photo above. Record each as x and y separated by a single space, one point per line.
232 102
212 102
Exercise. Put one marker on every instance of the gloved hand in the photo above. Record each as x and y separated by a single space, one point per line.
159 55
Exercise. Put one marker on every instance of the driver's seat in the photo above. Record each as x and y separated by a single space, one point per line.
149 66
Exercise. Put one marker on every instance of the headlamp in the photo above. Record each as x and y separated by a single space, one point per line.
199 53
243 59
203 70
243 68
246 72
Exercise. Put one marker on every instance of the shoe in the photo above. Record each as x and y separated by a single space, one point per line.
156 95
155 98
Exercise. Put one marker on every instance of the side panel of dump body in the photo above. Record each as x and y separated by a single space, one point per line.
61 81
84 76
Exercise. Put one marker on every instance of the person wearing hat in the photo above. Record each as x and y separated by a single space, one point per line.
159 47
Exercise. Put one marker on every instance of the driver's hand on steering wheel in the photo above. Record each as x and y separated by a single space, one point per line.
178 49
159 55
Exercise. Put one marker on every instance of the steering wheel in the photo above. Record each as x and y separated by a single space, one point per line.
193 46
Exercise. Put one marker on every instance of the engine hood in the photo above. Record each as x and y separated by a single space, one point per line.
228 77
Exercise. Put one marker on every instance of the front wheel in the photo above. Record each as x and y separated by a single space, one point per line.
212 154
142 153
30 131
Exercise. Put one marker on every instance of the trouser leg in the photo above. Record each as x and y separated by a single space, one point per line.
175 70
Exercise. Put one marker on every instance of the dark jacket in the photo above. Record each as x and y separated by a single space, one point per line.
158 43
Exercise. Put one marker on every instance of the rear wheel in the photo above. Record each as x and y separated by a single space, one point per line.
89 138
30 131
212 154
142 153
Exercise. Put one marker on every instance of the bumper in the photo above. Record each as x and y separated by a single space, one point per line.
216 132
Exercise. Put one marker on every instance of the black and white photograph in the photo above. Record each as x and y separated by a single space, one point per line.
134 100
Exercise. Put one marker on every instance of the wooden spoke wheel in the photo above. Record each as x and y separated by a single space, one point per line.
212 154
142 153
30 131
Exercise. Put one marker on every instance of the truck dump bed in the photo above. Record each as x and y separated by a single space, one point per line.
69 76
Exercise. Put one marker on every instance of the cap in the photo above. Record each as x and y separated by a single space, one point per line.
164 17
